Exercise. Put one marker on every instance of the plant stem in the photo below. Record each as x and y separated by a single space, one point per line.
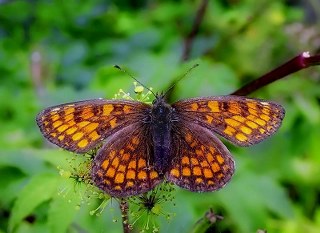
188 41
194 31
302 61
124 208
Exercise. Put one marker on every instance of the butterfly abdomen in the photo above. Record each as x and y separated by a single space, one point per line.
161 134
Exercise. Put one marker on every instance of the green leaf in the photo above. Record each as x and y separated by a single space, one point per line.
39 189
250 198
61 213
24 160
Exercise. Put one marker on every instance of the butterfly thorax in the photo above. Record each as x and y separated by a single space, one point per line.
161 114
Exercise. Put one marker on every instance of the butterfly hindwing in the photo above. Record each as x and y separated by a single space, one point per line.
124 165
201 162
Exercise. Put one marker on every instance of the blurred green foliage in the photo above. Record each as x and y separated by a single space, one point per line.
54 52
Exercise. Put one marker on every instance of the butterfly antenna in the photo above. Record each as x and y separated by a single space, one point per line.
124 71
180 78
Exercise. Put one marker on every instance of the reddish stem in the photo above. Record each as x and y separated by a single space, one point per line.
299 62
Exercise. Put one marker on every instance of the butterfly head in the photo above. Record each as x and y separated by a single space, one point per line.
158 97
161 110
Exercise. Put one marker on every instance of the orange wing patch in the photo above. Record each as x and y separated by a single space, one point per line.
80 126
121 167
201 162
253 121
241 120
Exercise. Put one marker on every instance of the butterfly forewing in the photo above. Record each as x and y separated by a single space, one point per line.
81 126
201 162
241 120
124 165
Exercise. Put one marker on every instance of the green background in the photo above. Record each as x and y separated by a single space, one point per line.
53 52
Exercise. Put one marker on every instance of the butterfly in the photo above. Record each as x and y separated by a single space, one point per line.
143 144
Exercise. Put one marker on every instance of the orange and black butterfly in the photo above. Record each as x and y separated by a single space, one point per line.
144 144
